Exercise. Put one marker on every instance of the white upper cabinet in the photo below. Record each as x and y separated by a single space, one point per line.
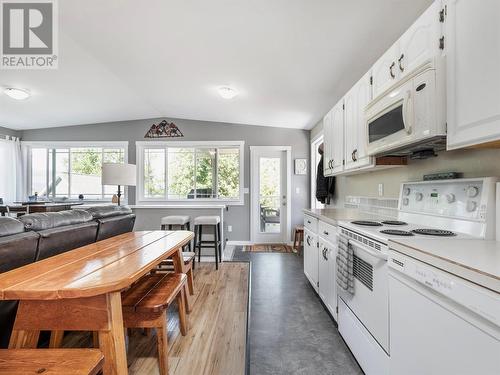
421 42
328 145
355 134
384 71
417 46
472 45
338 137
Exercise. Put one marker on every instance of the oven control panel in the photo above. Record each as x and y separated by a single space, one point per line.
460 198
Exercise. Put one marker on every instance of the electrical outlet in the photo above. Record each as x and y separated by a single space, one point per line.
380 190
229 228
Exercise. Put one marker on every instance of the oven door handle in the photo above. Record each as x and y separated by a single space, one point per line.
373 253
407 112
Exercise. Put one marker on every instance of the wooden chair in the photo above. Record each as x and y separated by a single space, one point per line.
168 265
298 237
50 361
145 305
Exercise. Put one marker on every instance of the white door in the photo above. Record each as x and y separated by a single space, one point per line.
328 144
270 194
356 135
315 159
420 43
311 258
385 71
338 137
472 45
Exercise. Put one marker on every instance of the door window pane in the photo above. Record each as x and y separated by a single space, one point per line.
154 173
205 173
228 173
269 194
180 173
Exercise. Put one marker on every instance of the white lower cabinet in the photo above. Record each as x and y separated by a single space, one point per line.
320 255
311 257
327 274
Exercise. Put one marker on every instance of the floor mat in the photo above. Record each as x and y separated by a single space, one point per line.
269 248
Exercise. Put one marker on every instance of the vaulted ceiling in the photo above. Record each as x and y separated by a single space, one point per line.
290 60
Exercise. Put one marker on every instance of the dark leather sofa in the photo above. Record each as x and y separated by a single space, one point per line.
17 248
112 220
39 236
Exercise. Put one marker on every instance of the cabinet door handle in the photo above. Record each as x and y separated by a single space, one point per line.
390 70
353 155
325 233
324 253
401 67
308 240
308 221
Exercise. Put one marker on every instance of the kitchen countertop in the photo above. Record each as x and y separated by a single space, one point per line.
474 260
334 215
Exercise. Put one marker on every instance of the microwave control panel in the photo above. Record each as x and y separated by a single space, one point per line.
455 198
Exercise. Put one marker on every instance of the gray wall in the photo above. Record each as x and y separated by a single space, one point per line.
472 163
9 132
237 216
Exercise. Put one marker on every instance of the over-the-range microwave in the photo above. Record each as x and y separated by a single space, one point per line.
409 117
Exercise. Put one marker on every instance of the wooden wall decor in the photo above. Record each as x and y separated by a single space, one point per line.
164 130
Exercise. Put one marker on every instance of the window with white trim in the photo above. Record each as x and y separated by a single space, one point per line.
70 170
190 171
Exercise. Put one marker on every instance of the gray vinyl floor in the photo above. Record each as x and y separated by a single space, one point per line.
290 331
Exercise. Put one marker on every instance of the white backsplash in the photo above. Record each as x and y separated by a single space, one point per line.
379 206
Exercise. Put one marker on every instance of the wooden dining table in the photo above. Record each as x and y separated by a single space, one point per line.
80 290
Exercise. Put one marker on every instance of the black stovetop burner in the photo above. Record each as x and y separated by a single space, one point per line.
434 232
397 232
367 223
394 222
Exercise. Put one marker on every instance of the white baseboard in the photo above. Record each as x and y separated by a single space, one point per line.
239 243
244 243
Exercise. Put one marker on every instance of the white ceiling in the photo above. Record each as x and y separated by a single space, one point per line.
290 60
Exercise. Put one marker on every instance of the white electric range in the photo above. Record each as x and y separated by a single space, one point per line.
455 209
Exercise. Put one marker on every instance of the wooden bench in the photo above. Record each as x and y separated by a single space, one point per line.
188 258
50 361
145 305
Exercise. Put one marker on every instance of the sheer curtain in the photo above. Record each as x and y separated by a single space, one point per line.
11 171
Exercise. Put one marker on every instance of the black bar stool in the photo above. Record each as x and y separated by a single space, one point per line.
201 222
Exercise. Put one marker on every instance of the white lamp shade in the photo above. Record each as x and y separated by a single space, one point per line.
118 174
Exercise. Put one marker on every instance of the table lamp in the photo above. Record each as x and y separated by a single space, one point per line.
118 174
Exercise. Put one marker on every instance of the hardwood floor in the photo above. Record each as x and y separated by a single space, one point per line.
216 340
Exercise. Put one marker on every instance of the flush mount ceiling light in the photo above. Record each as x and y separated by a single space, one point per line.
227 92
17 94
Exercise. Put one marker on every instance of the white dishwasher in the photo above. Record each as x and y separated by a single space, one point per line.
439 323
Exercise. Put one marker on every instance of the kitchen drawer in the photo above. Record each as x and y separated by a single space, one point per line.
311 223
327 231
